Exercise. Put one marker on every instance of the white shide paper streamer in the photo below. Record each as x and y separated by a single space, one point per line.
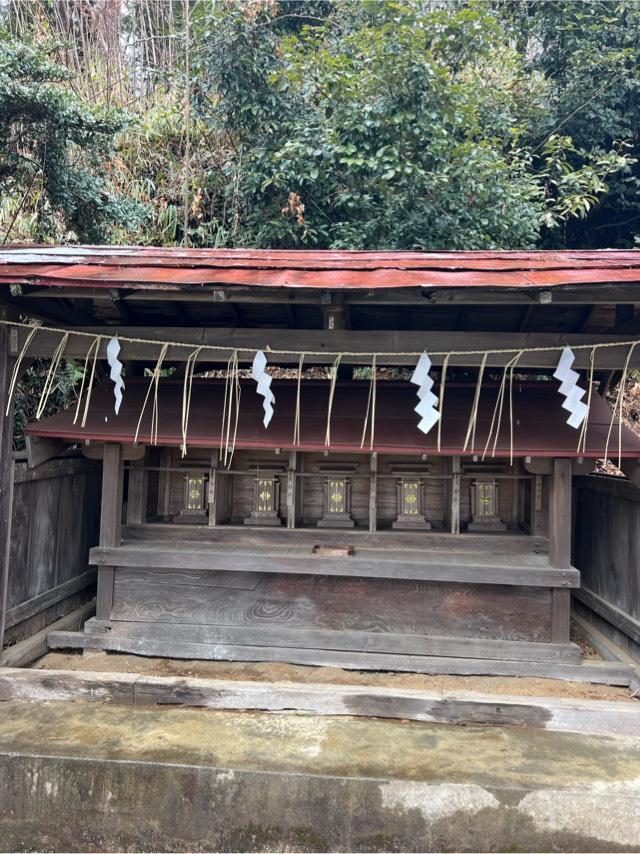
574 405
426 408
113 349
263 379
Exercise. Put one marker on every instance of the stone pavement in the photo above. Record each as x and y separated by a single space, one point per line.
87 777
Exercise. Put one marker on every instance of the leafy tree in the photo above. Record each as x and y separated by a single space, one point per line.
55 150
392 125
590 55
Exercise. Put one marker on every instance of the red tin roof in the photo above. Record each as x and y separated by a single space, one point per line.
170 268
539 420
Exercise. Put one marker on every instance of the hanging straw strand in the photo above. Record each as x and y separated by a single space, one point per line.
92 351
51 375
618 407
371 406
153 384
443 383
18 364
473 418
582 439
186 396
296 423
332 388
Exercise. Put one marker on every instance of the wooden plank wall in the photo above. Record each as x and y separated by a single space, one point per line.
606 545
55 521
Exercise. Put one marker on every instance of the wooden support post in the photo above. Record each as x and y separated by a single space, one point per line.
560 546
137 493
560 614
455 495
560 514
164 485
373 492
6 466
291 489
213 489
110 524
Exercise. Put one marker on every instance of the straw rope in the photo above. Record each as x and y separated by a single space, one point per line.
443 383
356 354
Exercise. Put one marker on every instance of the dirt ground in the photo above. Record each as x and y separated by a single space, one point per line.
270 672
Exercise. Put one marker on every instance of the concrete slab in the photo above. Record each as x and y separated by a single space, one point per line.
87 777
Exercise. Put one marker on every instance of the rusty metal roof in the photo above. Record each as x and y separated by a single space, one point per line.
539 420
173 268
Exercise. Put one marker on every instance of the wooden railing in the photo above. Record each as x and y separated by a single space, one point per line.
606 548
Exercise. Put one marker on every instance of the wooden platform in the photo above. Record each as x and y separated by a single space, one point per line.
418 564
363 623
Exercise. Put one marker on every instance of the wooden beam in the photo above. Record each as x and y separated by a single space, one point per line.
601 293
560 514
137 493
373 492
595 717
6 464
414 566
605 672
291 489
330 342
28 650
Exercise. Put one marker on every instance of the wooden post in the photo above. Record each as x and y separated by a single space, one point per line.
110 523
373 492
137 493
6 467
560 514
213 489
291 489
560 546
455 495
560 614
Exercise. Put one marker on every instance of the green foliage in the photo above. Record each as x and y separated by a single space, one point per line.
29 390
388 126
54 148
590 55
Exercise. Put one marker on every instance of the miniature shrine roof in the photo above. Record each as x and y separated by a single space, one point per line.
169 268
539 427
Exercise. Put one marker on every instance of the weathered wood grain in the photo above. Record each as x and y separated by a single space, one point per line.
380 642
607 673
24 652
423 566
596 717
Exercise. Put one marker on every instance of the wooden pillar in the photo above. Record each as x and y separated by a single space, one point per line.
455 495
137 493
373 492
560 514
291 489
560 546
213 489
6 466
110 523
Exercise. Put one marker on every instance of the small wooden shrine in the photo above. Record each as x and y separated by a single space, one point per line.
340 533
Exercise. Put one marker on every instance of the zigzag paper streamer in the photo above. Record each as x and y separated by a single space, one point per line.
260 375
570 389
113 348
426 408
